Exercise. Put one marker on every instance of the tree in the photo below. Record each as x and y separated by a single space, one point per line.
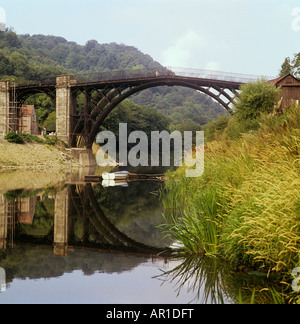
286 67
50 123
6 67
90 45
296 64
43 107
20 65
291 66
256 98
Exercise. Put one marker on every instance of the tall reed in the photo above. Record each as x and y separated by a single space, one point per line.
245 207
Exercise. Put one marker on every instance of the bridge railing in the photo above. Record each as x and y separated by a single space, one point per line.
216 75
116 75
168 71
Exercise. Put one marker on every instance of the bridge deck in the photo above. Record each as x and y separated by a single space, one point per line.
104 79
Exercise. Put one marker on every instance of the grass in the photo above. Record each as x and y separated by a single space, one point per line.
246 206
199 227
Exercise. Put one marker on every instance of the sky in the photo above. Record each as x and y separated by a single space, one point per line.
240 36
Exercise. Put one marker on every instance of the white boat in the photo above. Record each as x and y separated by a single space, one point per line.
120 175
114 183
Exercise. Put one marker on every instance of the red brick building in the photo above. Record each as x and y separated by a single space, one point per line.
27 120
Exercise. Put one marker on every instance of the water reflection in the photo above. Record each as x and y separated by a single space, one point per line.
213 281
93 230
82 216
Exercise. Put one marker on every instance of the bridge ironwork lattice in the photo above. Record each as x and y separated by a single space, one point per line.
104 91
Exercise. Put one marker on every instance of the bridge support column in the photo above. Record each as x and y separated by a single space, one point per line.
3 222
65 106
84 156
4 108
61 215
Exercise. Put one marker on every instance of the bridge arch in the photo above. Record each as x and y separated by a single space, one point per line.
27 91
108 99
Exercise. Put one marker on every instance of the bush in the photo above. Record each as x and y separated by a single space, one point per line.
256 98
31 138
50 140
12 137
216 127
238 127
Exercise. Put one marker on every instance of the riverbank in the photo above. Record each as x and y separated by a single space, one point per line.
35 156
246 206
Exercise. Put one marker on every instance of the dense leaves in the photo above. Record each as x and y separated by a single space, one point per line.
33 59
291 66
256 98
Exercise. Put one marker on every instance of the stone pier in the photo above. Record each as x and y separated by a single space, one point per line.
3 222
65 107
84 156
61 215
4 108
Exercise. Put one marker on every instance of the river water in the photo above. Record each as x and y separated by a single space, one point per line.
66 241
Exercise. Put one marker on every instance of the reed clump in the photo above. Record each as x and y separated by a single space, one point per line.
246 206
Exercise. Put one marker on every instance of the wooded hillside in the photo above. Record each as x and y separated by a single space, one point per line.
40 58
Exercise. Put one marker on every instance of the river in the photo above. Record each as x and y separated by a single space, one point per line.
65 241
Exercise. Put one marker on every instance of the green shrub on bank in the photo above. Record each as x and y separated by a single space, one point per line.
13 137
28 138
23 138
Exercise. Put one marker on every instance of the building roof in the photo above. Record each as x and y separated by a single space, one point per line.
286 79
27 110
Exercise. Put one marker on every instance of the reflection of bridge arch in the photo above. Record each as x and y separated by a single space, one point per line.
112 237
71 203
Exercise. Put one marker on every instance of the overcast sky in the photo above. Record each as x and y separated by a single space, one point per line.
243 36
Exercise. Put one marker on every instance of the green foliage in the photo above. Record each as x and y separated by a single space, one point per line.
23 138
286 67
50 122
197 229
256 98
291 66
30 138
50 140
216 127
43 108
186 108
31 59
12 137
255 209
137 118
236 127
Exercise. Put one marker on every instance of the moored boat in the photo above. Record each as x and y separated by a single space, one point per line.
120 175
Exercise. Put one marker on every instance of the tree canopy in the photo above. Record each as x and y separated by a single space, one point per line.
291 66
38 58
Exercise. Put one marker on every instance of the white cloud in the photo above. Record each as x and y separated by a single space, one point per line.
192 50
183 50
